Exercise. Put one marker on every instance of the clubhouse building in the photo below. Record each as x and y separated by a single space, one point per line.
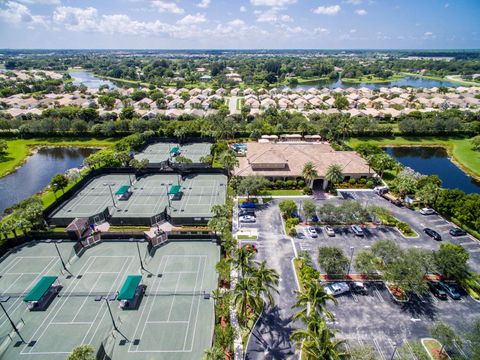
285 160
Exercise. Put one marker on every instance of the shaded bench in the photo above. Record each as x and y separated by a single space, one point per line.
43 293
131 293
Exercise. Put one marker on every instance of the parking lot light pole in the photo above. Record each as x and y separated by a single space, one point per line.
352 249
111 193
394 351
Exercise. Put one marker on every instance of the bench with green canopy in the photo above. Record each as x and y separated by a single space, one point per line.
174 189
175 150
127 292
122 190
40 288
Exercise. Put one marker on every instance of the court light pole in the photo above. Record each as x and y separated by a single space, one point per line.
395 346
138 251
58 252
111 193
12 323
352 249
55 190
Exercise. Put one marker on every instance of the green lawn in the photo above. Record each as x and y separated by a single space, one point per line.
434 347
246 237
372 79
281 193
19 149
458 148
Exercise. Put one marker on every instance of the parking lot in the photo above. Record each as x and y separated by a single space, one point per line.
374 319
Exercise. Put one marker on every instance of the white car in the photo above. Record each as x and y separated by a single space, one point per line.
357 230
246 219
337 288
312 232
329 231
427 211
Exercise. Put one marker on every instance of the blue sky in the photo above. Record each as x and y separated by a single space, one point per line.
242 24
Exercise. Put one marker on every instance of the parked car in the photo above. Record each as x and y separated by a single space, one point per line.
359 287
312 232
337 288
247 205
247 219
244 212
457 232
451 289
427 211
315 218
433 234
437 290
329 231
357 230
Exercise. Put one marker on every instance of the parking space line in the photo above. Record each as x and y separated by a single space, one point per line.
379 349
409 347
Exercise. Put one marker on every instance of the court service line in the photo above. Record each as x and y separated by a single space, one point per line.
145 307
128 258
58 306
198 307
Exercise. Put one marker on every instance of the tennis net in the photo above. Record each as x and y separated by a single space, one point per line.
96 294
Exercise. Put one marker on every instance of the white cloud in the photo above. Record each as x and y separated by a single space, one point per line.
276 3
167 6
446 5
361 12
43 2
321 31
243 9
353 31
204 4
192 19
428 35
328 10
272 16
16 13
354 2
76 19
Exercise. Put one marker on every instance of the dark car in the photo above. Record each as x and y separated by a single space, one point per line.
433 234
315 218
457 232
359 287
451 289
437 290
248 205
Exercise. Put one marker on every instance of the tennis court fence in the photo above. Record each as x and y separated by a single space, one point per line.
113 295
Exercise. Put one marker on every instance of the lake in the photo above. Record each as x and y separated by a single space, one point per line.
35 174
410 81
89 80
435 161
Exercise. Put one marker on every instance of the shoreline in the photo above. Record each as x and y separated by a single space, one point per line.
451 157
34 148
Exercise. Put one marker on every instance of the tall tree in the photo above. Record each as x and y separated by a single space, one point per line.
229 160
451 261
309 172
334 174
445 335
309 209
82 352
59 181
266 281
332 260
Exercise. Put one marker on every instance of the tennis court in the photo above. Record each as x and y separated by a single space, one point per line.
149 198
161 152
173 321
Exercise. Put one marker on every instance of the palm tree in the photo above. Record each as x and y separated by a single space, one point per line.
267 281
229 160
317 339
334 174
309 172
313 295
214 353
242 260
245 297
345 126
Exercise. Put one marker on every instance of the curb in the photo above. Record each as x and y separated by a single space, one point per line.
428 352
253 329
394 298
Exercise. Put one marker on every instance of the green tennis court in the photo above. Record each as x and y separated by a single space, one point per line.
174 320
149 198
161 152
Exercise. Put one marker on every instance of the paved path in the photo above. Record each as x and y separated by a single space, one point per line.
232 105
271 337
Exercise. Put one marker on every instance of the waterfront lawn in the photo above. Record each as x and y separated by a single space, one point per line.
19 149
370 79
459 148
